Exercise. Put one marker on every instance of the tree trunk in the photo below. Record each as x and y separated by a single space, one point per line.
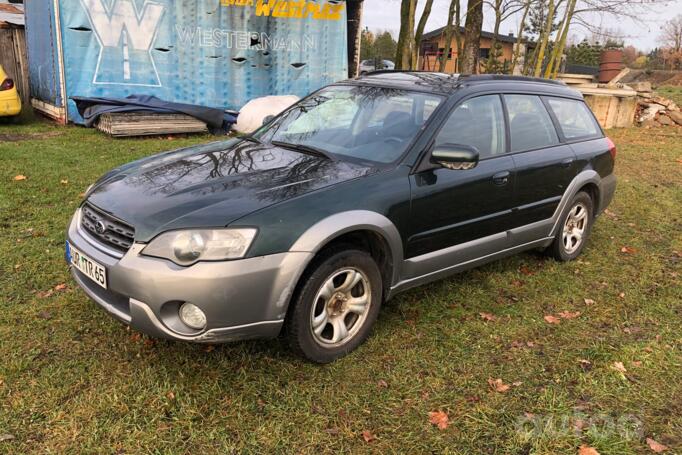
419 33
519 38
491 64
472 36
449 28
545 39
406 36
459 42
354 8
555 59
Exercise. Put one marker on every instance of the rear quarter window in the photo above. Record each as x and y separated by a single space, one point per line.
575 119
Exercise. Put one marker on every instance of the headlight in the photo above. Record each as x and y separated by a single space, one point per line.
188 247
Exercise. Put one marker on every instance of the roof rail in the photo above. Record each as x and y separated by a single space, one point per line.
373 72
504 77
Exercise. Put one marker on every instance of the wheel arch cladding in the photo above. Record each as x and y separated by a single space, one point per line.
353 225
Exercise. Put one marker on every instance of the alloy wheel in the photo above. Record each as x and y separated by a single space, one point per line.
341 307
574 228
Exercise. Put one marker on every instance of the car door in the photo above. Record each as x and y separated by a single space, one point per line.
453 210
544 166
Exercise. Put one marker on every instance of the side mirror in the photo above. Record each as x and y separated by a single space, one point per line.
267 119
455 156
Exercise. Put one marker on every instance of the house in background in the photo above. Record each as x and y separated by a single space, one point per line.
433 49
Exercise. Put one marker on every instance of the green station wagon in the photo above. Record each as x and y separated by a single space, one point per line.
364 189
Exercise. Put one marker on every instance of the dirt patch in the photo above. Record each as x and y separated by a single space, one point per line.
28 137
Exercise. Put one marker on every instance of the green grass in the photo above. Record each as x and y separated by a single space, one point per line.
72 380
674 92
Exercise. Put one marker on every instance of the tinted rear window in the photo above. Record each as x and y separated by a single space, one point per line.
574 117
530 124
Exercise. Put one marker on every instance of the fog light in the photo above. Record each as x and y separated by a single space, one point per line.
192 316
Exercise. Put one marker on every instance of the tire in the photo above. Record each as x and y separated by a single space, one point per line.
574 229
329 300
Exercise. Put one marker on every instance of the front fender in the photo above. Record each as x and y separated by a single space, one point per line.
326 230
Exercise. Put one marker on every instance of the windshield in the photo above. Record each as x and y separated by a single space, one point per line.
368 123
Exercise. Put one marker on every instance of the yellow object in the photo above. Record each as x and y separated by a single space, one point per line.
10 103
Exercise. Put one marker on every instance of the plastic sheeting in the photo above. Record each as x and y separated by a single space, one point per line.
217 53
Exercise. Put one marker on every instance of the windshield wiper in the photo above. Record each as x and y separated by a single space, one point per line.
252 139
305 148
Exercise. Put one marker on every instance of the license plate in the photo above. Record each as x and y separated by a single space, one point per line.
92 269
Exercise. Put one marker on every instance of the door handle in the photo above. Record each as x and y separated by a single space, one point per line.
501 178
567 162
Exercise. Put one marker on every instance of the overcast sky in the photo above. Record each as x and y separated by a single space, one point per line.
385 15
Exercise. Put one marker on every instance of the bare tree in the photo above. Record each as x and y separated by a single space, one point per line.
544 39
503 9
406 37
452 29
560 42
472 36
671 33
420 32
519 37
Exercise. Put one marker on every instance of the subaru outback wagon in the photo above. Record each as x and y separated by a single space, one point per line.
364 189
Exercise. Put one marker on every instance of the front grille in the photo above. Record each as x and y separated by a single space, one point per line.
117 235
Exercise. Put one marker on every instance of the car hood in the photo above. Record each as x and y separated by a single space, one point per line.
212 185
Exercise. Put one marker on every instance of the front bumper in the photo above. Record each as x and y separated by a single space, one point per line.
242 299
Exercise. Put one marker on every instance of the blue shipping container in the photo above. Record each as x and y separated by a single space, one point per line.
217 53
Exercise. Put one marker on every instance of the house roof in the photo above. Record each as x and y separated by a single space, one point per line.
439 31
11 14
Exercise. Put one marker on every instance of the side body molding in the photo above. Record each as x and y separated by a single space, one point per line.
464 256
336 225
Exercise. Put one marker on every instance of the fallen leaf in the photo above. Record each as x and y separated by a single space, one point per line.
589 302
621 295
618 366
498 385
488 316
569 315
6 437
18 178
526 271
656 446
64 182
584 363
440 419
209 348
45 294
332 431
45 315
552 319
170 395
587 450
627 250
60 287
368 436
517 383
637 363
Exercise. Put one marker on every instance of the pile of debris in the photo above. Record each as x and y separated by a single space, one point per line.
654 110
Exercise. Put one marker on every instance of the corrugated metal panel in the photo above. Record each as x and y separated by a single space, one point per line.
201 51
41 41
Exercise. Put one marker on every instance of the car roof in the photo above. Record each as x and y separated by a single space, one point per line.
448 84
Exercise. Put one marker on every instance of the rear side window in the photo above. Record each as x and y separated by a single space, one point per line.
477 122
529 123
574 118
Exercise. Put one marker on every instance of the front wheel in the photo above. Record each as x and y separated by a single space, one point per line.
574 229
336 307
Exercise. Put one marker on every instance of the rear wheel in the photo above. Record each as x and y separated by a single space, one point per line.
574 229
336 307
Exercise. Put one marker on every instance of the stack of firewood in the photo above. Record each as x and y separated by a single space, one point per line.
654 110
